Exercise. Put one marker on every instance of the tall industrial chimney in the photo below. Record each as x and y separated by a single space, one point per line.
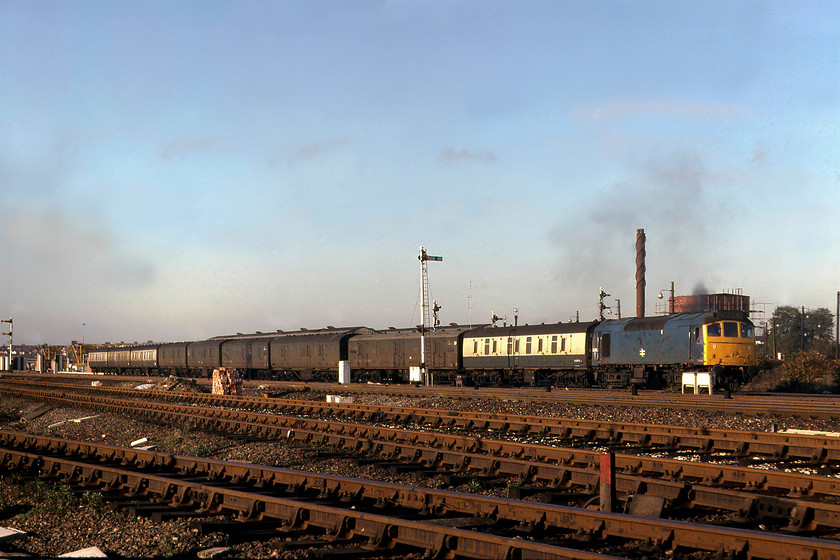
640 273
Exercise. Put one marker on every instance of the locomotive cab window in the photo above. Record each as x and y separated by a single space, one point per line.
730 329
746 331
713 329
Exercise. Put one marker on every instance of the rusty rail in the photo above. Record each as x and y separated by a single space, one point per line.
682 483
87 467
777 446
816 406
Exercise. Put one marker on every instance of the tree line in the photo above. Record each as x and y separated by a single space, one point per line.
793 330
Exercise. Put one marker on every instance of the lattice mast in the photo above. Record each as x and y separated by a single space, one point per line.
424 303
9 334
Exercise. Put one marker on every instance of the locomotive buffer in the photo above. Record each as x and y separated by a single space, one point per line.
424 283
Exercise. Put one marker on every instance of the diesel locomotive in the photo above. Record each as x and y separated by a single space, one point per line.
647 352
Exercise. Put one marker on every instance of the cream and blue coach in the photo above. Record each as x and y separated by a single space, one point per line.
555 354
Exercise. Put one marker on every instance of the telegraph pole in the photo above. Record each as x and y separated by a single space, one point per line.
424 283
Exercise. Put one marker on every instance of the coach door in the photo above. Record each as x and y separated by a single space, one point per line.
399 354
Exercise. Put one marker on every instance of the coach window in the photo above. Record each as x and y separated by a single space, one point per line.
475 347
539 345
713 329
554 344
516 346
486 346
494 345
563 344
528 345
510 346
730 329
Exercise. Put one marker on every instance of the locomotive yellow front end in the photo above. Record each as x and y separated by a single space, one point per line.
729 344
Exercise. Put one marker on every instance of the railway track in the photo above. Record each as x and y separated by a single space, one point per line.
659 486
803 406
383 516
815 451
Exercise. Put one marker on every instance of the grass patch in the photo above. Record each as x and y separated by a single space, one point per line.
174 440
201 450
50 497
58 498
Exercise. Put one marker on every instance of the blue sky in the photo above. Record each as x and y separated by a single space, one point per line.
178 170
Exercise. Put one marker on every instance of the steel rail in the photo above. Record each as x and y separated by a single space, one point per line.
805 406
820 448
256 422
379 530
541 517
816 406
545 464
